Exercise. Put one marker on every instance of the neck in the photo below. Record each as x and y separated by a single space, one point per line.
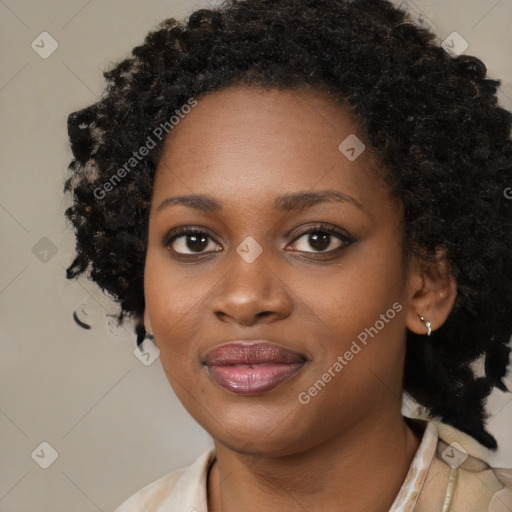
362 469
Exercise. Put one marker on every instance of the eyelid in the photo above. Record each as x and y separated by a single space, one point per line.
330 229
325 227
173 234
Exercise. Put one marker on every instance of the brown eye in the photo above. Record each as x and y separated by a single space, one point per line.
192 241
320 239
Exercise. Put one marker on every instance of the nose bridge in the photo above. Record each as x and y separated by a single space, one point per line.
250 287
249 271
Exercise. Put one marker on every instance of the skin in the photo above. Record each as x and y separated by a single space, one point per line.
244 147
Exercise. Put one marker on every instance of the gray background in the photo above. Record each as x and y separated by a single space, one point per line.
114 422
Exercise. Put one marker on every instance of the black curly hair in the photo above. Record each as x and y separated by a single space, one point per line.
432 120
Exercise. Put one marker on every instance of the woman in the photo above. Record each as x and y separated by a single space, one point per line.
304 204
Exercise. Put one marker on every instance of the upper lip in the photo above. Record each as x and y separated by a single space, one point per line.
253 352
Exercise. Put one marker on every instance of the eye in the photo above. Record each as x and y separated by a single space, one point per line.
321 239
188 241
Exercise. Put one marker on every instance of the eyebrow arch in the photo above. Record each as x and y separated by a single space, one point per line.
285 202
303 200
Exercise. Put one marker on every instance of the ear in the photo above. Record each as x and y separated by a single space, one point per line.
147 322
432 293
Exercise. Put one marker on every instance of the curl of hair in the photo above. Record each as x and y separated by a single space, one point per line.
432 120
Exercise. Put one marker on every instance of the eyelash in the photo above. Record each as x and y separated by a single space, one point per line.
320 228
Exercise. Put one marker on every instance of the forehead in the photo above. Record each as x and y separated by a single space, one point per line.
252 142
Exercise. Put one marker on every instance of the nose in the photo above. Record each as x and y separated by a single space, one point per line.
251 293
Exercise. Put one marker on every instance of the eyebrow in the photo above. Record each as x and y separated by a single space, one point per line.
286 202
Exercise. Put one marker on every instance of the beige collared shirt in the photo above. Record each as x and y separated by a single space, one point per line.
441 478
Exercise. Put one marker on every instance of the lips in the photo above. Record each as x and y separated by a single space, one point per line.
253 368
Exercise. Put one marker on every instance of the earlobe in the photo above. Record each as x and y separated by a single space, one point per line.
433 290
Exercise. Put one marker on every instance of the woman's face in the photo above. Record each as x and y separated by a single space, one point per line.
272 178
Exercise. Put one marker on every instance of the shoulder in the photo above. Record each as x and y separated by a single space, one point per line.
459 476
183 485
481 487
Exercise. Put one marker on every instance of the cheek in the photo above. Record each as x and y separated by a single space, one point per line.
174 304
176 307
354 294
363 317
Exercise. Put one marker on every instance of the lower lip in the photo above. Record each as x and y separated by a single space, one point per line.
250 380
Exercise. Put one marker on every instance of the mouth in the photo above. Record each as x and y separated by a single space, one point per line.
250 369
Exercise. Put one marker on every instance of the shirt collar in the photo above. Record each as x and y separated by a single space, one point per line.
407 497
190 491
